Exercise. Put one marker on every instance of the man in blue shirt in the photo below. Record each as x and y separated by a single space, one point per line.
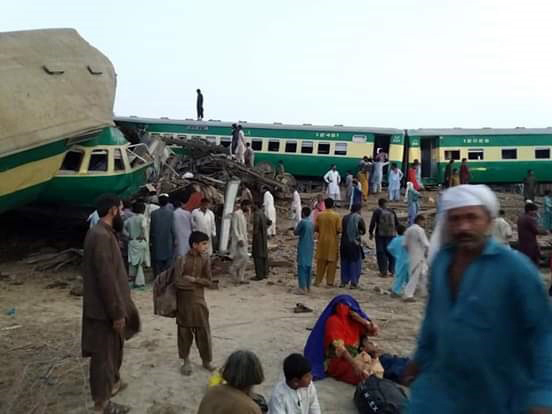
485 345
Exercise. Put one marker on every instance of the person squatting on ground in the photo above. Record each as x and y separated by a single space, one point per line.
109 316
192 275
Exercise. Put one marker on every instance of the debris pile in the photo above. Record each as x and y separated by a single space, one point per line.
209 167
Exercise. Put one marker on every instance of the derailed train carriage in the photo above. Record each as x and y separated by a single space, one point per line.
494 156
306 150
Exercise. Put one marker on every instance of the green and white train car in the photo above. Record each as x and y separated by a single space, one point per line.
495 156
306 150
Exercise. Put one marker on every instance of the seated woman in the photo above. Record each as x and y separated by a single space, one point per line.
241 372
334 346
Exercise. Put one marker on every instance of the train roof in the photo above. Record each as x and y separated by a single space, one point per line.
275 125
478 131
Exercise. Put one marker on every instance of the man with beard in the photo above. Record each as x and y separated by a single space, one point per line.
485 342
109 315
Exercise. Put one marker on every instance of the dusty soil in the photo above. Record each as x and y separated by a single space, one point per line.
41 370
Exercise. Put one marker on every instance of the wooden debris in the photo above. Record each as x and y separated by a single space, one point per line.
55 261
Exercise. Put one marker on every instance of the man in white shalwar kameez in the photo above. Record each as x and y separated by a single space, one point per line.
417 246
333 179
182 230
270 212
203 220
238 242
240 148
150 208
135 231
296 208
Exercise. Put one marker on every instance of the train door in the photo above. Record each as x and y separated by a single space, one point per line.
428 146
381 141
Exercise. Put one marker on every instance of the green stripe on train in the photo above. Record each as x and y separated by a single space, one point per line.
35 154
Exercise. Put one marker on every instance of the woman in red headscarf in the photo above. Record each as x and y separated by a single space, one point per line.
342 336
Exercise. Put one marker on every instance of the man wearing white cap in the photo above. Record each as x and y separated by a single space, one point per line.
485 344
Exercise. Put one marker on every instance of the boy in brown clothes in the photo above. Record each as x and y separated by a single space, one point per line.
193 274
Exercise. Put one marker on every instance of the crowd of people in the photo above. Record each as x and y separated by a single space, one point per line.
480 292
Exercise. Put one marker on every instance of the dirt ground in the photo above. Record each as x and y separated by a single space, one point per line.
41 370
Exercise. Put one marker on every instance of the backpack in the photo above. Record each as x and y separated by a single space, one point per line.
379 396
386 224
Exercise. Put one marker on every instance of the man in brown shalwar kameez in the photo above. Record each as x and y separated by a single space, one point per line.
109 315
259 245
192 275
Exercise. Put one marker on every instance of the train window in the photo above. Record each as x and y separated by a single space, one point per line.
323 147
225 142
257 144
542 153
118 163
72 161
475 154
340 148
291 146
274 146
452 155
306 147
182 136
509 154
98 161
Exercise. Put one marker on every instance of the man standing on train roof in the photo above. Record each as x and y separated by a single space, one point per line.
485 341
332 180
464 172
448 174
199 105
235 139
530 186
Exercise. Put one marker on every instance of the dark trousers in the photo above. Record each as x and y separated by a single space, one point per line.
386 261
350 271
261 267
105 348
200 112
202 339
159 266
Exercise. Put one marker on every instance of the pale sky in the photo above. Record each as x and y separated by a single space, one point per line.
384 63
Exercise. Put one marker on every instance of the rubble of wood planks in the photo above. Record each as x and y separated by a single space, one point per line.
212 167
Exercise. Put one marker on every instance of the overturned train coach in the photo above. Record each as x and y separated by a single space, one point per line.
495 156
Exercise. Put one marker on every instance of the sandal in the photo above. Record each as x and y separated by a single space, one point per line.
120 386
114 408
300 308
